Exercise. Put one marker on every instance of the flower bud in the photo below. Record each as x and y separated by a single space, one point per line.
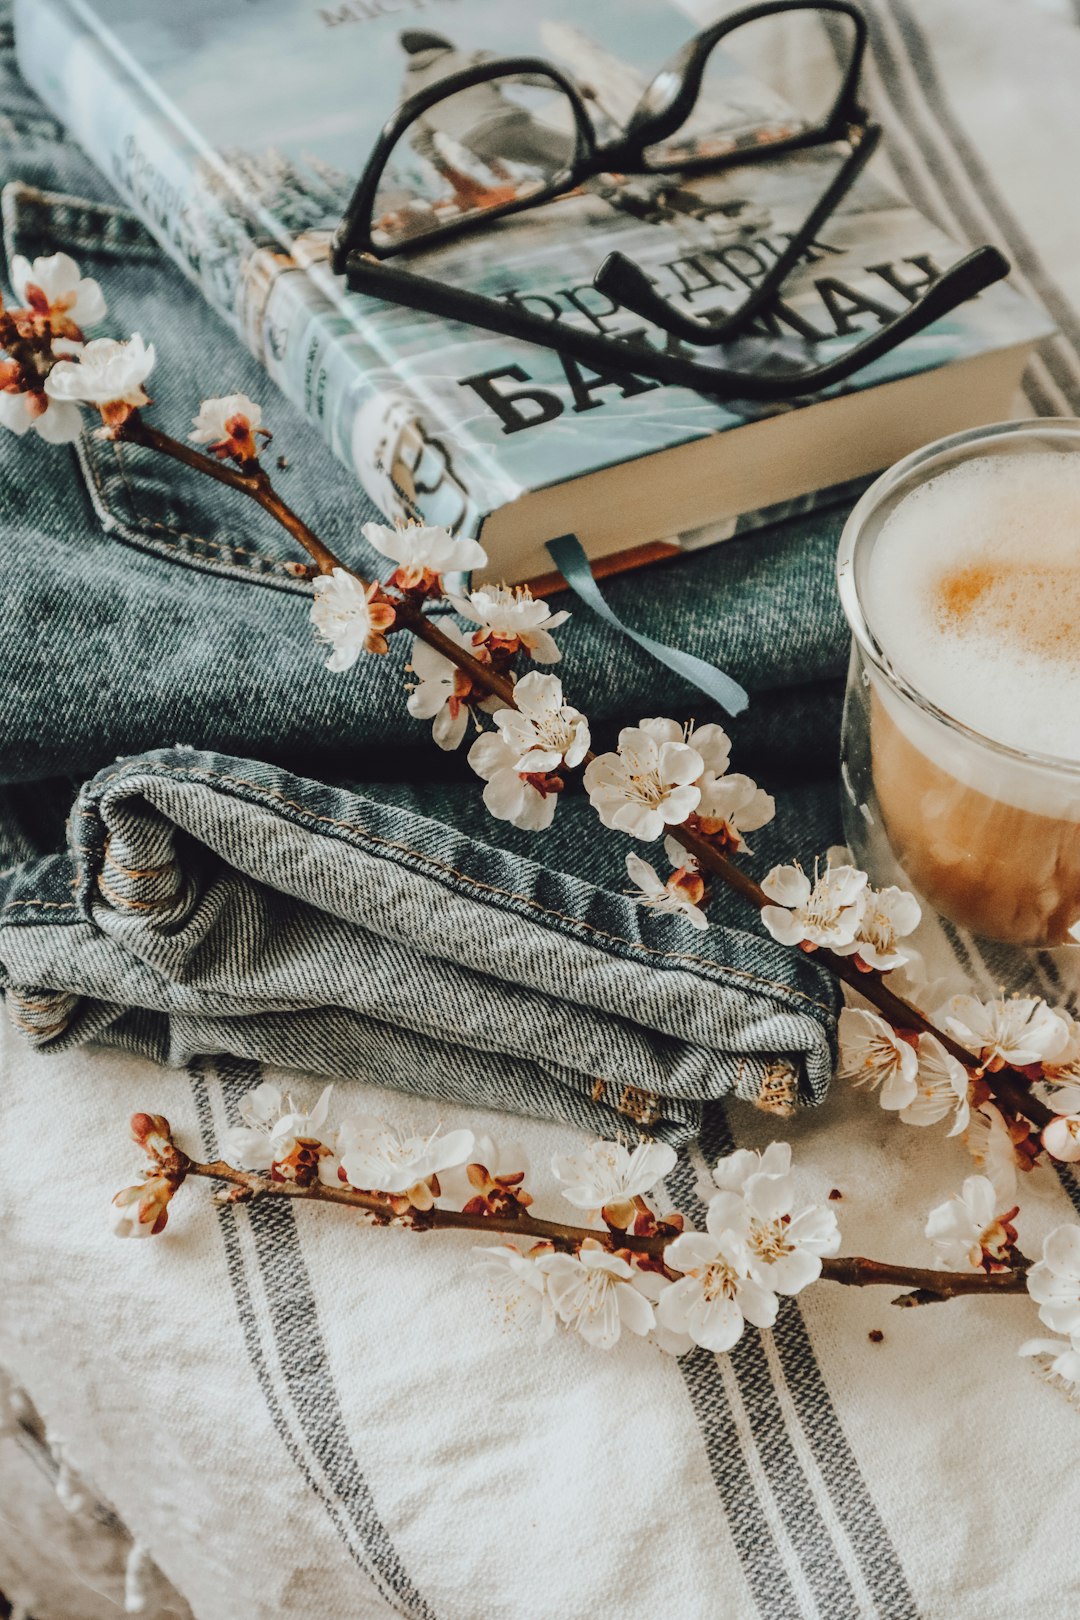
1061 1138
144 1126
143 1210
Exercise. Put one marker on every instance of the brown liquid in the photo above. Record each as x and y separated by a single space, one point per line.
1005 873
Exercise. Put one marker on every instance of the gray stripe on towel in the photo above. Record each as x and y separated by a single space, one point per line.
825 1575
837 1463
343 1491
944 144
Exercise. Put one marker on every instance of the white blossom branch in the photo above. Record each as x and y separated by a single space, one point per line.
174 1166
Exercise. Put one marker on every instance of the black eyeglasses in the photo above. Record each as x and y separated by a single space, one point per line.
513 133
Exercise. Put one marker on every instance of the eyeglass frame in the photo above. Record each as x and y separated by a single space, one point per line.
625 155
367 273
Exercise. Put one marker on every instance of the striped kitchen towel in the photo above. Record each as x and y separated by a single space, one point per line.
298 1415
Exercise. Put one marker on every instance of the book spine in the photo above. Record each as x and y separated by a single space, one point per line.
317 348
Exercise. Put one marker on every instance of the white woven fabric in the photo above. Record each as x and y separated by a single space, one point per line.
298 1415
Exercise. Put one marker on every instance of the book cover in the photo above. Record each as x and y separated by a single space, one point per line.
238 133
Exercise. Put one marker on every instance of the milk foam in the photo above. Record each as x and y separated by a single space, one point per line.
973 590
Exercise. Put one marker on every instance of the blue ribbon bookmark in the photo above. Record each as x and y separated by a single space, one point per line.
568 555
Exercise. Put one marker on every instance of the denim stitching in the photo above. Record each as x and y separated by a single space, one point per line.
39 1034
46 905
169 528
61 213
141 521
124 904
128 871
488 888
62 210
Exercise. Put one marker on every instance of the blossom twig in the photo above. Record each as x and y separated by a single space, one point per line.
258 486
856 1271
1007 1084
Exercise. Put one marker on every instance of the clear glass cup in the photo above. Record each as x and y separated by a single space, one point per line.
987 835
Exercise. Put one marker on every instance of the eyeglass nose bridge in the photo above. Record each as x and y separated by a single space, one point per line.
354 233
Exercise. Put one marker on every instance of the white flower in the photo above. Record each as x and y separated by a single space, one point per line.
143 1210
272 1126
594 1293
508 795
988 1141
1054 1281
348 618
826 912
734 1170
1061 1138
54 286
681 859
653 1285
424 553
1059 1360
542 731
510 616
671 896
442 692
506 1161
755 1202
608 1176
785 1250
712 743
519 1287
57 423
969 1232
1062 1072
107 373
717 1290
229 425
941 1083
1018 1030
378 1158
649 784
730 806
872 1054
888 915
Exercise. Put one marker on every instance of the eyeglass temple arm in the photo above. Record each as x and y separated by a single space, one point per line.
626 284
964 280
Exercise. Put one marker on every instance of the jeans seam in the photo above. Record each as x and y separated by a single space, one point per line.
128 871
142 521
122 903
489 888
39 1034
62 210
46 905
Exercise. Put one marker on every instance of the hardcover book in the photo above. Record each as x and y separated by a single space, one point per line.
238 133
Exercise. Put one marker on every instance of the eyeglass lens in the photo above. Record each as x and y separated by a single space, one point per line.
477 152
768 80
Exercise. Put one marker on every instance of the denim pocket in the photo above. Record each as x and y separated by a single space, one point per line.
141 498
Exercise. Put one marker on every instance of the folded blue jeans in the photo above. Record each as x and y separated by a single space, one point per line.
210 905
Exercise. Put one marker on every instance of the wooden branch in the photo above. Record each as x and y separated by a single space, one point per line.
1008 1085
852 1271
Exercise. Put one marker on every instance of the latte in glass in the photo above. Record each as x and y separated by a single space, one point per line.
966 677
